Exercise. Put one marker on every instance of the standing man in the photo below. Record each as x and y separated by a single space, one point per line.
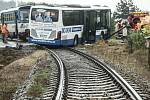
5 32
118 26
124 31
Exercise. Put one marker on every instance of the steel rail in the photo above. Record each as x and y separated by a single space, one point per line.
59 94
132 93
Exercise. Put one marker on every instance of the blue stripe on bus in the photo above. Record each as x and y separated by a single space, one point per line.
68 42
45 42
71 29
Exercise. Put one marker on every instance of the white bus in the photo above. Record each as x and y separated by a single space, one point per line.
21 14
68 26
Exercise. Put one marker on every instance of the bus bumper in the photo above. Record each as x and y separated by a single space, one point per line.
45 42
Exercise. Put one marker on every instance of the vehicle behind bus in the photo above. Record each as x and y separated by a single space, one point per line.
68 26
17 16
137 20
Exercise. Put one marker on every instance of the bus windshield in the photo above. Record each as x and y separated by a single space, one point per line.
24 15
44 15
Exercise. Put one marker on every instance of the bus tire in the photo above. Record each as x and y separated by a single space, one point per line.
75 42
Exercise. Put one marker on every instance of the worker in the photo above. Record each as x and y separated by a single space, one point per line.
124 31
118 26
5 32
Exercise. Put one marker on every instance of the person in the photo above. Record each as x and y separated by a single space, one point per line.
124 31
39 18
118 26
130 20
48 18
5 32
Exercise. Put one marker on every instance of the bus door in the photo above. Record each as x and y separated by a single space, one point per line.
90 26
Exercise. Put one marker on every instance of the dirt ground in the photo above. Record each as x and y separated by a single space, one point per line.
117 53
13 74
8 55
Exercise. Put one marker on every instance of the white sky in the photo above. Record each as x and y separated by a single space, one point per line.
142 4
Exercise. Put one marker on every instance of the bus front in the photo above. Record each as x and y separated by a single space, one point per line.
43 24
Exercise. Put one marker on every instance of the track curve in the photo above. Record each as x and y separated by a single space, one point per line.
88 78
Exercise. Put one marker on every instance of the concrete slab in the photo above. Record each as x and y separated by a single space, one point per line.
13 44
9 44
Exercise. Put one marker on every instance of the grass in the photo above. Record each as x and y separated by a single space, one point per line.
41 79
115 53
6 91
12 75
35 90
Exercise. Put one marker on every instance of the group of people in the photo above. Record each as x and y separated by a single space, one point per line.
4 32
47 18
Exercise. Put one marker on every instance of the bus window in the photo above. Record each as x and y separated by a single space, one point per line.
72 18
103 19
24 15
5 17
98 24
44 15
108 16
9 17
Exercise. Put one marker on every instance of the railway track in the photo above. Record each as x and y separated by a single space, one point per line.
53 88
89 79
79 76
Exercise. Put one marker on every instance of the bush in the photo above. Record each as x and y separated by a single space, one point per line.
136 40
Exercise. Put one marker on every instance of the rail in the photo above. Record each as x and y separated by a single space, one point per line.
132 93
59 94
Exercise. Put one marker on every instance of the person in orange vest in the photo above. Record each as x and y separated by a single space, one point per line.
5 32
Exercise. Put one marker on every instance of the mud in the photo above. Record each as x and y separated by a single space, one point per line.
8 55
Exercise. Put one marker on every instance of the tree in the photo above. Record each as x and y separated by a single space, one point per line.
123 9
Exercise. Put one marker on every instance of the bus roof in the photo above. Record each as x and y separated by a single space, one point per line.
64 7
13 9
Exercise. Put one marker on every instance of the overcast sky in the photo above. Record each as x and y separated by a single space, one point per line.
142 4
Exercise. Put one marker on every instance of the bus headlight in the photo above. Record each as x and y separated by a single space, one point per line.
53 34
33 33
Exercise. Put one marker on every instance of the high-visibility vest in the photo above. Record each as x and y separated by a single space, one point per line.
4 29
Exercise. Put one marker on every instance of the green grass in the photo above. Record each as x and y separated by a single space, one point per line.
41 79
35 90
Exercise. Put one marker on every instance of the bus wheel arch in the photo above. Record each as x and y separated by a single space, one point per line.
76 40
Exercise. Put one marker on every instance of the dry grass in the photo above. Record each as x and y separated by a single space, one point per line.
118 54
13 74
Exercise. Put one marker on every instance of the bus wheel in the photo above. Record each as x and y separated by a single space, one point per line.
75 43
